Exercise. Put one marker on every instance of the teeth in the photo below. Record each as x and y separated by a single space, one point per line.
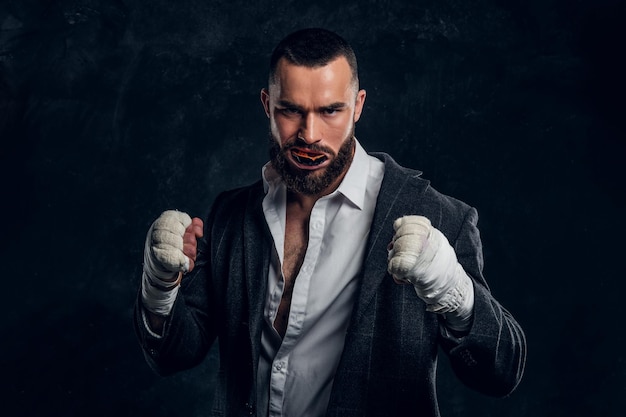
306 159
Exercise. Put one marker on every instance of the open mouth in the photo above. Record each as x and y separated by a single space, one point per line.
310 159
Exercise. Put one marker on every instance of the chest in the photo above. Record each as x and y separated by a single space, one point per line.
296 242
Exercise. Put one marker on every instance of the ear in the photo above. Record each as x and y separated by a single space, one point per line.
265 100
358 105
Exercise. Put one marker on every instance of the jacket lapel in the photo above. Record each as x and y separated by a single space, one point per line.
389 206
257 246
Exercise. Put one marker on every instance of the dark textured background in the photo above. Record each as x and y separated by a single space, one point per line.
112 111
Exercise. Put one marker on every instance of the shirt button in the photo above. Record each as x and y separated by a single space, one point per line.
278 366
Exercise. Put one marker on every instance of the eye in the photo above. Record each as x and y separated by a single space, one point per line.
290 111
331 110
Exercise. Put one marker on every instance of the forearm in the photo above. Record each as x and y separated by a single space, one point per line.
492 356
155 322
171 314
180 340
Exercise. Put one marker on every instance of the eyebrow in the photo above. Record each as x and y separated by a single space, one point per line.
333 106
288 104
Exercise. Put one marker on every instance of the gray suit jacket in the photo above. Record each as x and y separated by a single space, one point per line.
388 364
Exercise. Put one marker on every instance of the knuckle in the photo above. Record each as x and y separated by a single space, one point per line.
166 257
166 238
396 264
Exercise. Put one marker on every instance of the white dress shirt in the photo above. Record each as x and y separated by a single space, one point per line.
296 373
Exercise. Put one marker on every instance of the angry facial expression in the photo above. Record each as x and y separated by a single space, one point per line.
312 114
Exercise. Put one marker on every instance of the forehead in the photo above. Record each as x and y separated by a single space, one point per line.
333 80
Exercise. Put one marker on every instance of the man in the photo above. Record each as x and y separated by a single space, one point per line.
332 282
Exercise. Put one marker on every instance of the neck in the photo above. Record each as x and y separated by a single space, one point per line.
302 201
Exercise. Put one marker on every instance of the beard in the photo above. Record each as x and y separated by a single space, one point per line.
311 182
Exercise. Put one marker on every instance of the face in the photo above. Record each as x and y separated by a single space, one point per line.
312 114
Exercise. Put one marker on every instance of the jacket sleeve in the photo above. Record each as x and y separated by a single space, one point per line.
190 329
491 357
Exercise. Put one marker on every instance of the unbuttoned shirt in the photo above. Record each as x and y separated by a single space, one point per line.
296 373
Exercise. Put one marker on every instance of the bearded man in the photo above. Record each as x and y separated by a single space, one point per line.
331 282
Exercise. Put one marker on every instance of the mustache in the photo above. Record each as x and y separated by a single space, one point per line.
300 143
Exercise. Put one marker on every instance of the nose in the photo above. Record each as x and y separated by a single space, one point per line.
310 131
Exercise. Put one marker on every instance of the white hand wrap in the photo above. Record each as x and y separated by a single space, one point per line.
422 256
163 259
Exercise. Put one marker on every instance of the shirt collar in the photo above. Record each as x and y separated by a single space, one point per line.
270 177
353 186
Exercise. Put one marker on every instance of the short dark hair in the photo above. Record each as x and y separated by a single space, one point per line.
313 47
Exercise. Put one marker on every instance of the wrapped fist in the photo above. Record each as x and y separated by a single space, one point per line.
407 248
421 255
164 257
170 250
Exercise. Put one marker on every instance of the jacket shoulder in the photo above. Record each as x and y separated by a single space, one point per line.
238 195
235 200
418 192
